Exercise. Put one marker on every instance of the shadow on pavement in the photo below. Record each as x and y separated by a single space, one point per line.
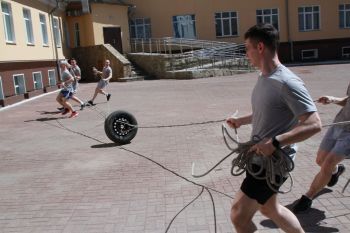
42 119
48 113
310 220
107 145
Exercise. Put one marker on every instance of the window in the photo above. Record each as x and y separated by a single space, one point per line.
66 34
43 29
226 24
268 16
20 87
309 18
1 90
345 51
184 26
52 78
28 24
309 54
77 35
8 22
344 16
37 80
140 28
56 31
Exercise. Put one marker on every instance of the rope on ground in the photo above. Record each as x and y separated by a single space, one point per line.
208 189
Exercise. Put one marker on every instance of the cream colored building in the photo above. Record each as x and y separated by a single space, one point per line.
308 28
30 48
36 34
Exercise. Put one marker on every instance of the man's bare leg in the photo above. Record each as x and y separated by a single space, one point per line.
281 216
242 212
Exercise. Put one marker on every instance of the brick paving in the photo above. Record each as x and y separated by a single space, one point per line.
60 175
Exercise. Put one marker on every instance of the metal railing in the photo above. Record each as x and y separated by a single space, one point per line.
184 54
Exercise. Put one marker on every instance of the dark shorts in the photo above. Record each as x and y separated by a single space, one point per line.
66 94
258 189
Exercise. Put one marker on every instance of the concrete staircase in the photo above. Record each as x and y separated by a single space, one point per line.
137 74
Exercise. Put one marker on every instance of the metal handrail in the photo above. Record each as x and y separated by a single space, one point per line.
191 53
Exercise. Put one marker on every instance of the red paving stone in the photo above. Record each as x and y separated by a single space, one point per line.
61 175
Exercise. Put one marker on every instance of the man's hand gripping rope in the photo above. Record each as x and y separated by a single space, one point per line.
278 164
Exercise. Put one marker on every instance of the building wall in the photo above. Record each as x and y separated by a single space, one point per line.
204 10
108 15
85 23
161 21
37 51
293 41
22 58
329 20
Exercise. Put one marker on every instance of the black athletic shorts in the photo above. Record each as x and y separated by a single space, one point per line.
258 189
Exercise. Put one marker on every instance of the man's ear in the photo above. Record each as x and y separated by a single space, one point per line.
260 47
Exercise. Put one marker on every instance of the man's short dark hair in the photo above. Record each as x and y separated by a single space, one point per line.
265 33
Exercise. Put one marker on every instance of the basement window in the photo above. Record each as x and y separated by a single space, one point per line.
19 84
37 80
345 51
309 54
1 90
52 78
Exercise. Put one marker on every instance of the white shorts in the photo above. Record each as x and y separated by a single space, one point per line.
337 141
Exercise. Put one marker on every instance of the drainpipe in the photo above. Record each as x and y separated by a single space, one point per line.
288 32
53 34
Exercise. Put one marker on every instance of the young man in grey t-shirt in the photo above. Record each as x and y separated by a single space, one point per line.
283 113
67 90
334 148
105 76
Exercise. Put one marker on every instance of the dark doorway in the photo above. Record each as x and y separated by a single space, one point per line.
112 36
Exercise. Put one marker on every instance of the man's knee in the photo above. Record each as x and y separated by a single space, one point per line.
237 216
268 211
329 164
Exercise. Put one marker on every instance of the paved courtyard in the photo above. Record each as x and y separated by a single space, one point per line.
61 175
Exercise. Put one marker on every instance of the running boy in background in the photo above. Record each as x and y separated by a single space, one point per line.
105 76
67 89
76 73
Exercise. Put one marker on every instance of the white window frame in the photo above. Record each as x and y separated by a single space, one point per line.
28 25
57 31
146 23
230 18
8 16
270 16
43 27
76 35
308 50
19 86
189 19
35 82
304 14
48 76
1 90
346 13
345 54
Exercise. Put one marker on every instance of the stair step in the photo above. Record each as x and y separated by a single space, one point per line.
129 79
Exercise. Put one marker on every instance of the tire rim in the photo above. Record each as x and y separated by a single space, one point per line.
121 126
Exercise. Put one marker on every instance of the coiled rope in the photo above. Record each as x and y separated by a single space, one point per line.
275 169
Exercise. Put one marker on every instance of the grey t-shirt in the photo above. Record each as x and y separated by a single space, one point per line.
75 71
66 75
106 72
344 113
277 102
